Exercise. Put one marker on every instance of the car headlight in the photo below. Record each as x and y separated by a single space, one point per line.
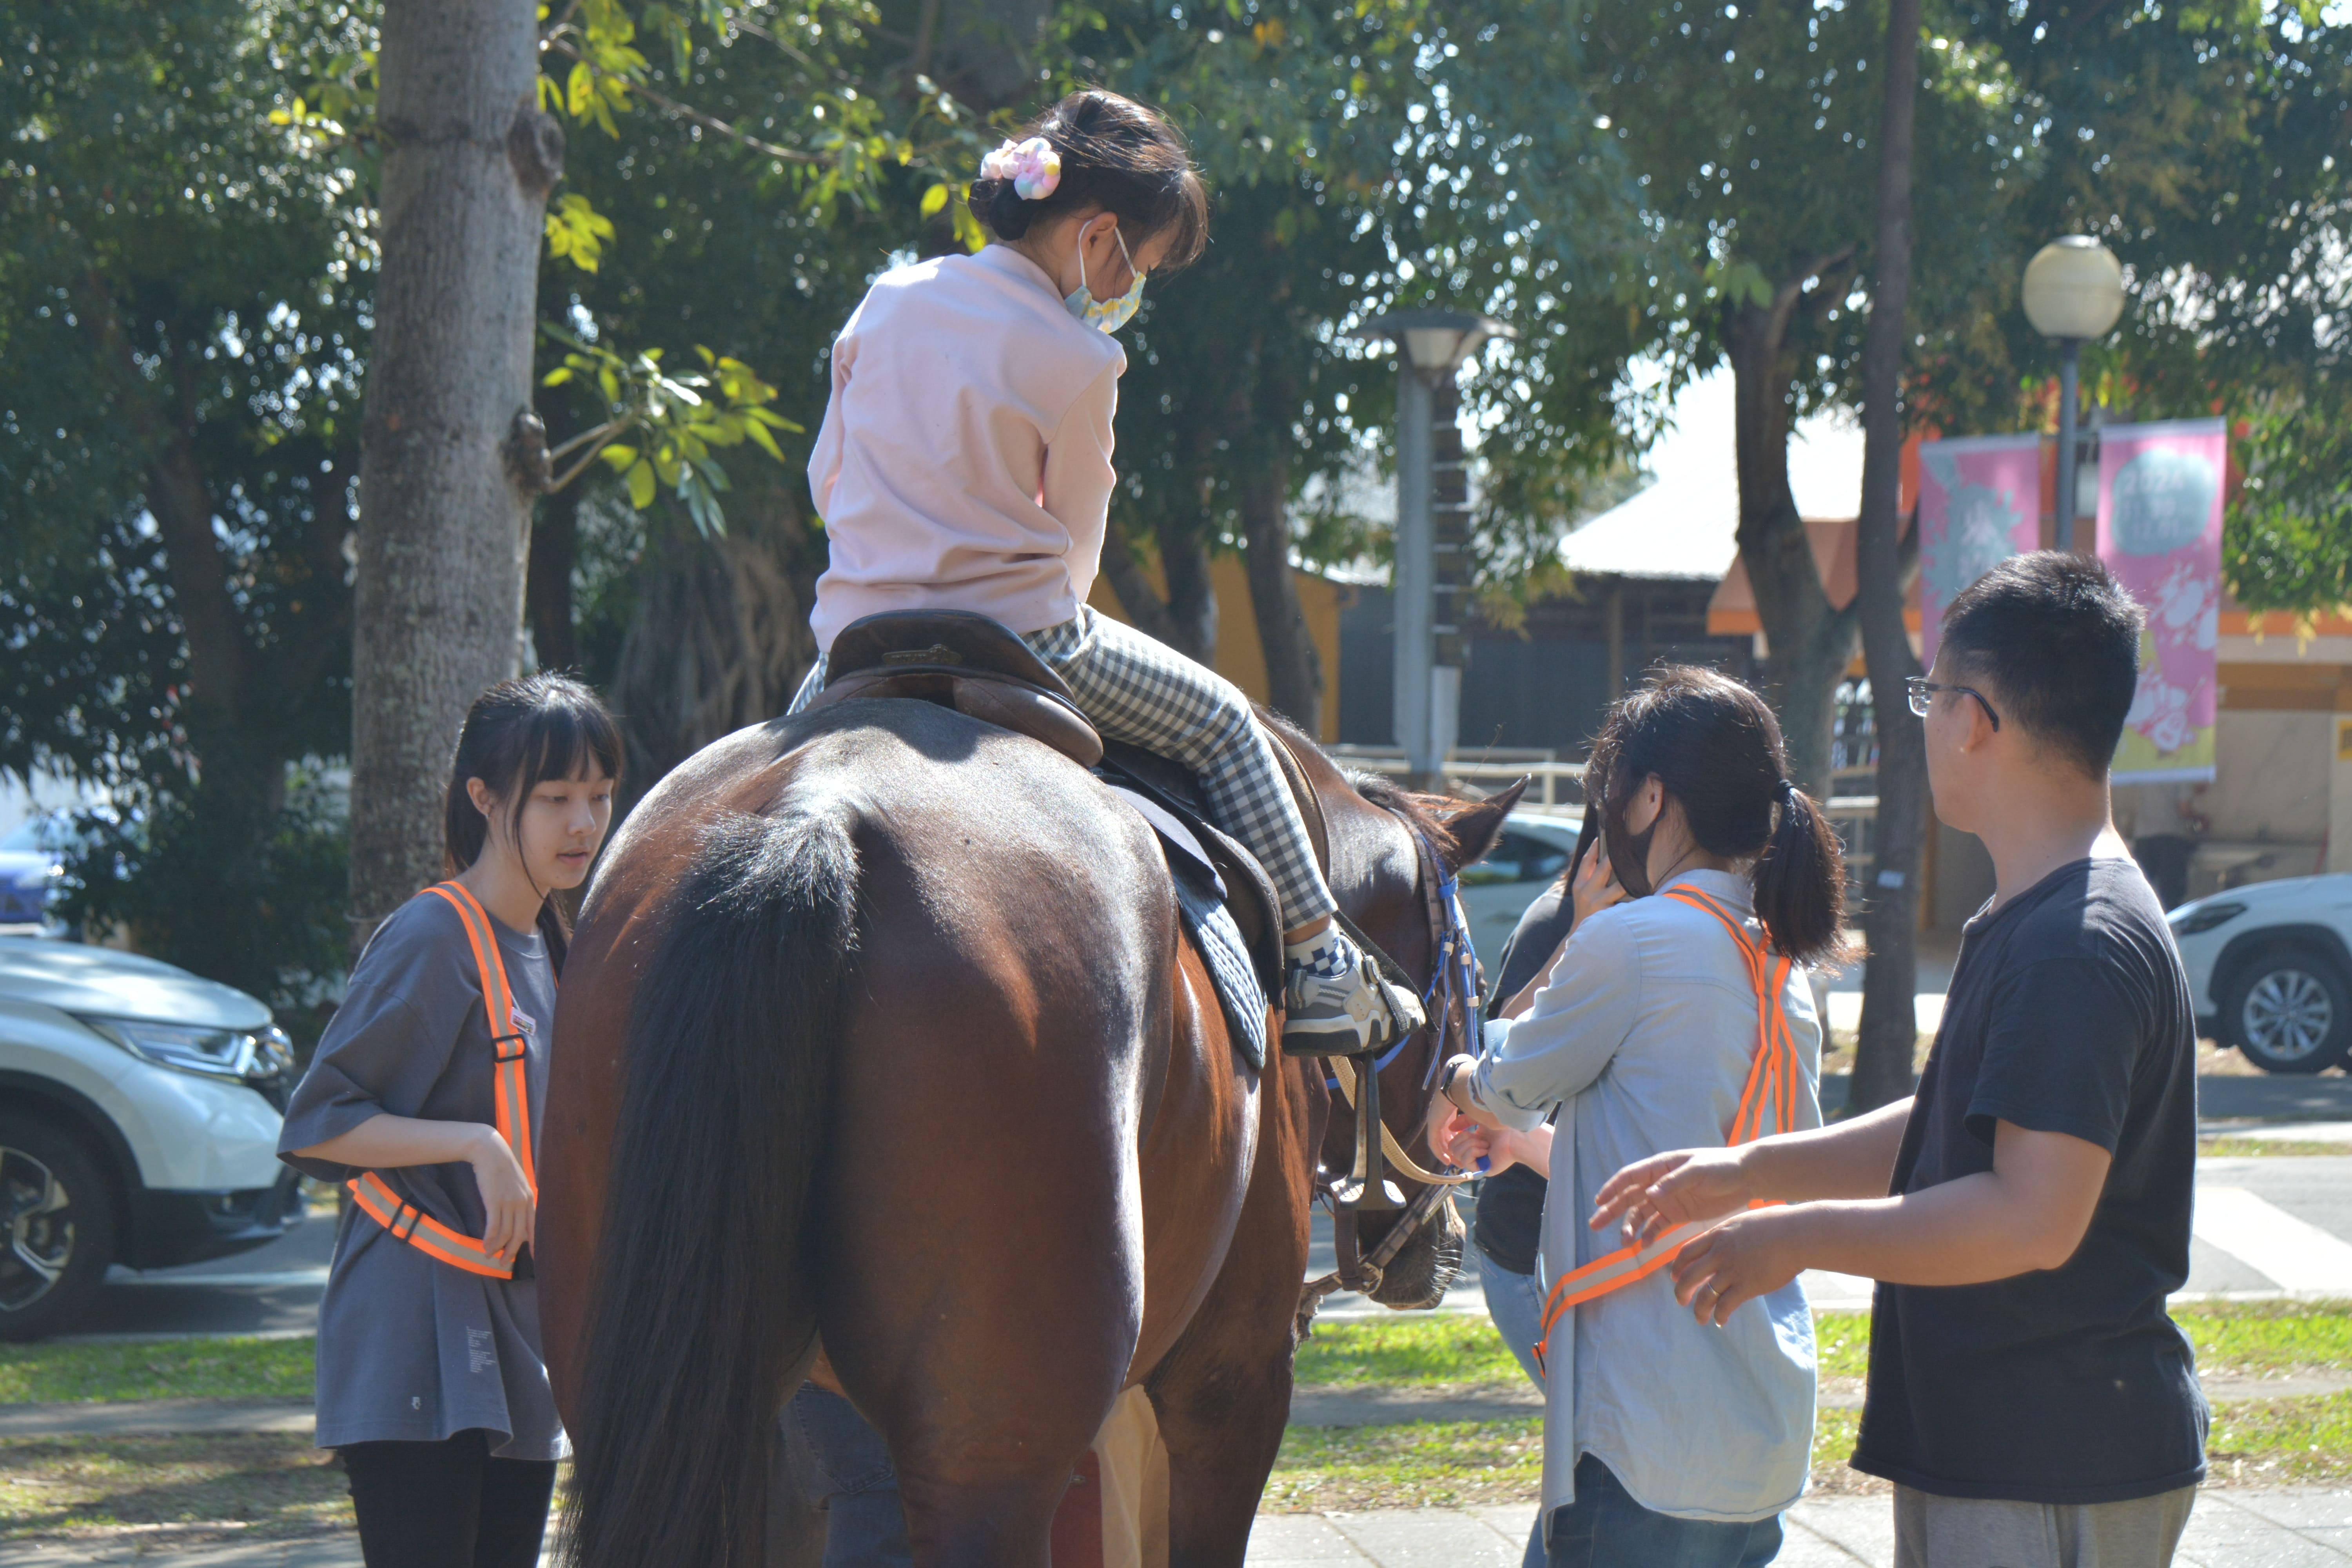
216 1053
2205 916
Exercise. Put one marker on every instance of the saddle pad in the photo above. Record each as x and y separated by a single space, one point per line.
1200 899
1219 939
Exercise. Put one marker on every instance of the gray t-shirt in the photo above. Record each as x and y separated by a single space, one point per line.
412 1348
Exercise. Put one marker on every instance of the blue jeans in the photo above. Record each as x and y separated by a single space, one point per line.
1605 1528
1515 1303
841 1465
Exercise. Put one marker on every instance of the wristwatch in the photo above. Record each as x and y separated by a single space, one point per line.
1453 1072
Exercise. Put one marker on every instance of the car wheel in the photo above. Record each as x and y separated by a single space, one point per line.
2291 1011
56 1229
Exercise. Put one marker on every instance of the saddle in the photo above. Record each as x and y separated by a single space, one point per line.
979 667
960 660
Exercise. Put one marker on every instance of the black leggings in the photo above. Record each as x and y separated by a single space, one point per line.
447 1504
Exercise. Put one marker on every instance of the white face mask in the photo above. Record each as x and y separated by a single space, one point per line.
1111 315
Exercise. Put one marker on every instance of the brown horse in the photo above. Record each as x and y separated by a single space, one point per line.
878 1039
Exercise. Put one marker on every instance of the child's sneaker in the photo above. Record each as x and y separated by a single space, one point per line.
1336 1002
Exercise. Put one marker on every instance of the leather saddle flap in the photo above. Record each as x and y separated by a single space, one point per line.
992 699
1248 891
954 640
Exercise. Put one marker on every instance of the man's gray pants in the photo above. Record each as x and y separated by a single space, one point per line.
1933 1532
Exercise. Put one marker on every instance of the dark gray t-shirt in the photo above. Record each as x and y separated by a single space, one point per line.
2068 1013
410 1348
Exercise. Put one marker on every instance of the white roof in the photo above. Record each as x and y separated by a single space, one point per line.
1684 524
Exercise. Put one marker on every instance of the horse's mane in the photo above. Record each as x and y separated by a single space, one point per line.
1418 811
1429 814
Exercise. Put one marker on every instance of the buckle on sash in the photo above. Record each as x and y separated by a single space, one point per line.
499 1053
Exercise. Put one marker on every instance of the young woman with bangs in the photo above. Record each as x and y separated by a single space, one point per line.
422 1101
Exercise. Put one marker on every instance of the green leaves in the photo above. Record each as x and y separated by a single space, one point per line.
679 420
577 231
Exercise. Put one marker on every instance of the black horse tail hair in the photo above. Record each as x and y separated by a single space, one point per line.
703 1306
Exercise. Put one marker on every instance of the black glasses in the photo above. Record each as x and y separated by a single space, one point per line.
1922 691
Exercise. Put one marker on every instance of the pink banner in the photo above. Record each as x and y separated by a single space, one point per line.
2160 495
1979 503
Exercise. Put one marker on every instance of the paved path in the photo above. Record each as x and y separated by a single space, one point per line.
2285 1528
2279 1528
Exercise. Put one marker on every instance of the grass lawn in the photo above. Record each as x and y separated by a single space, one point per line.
164 1369
1455 1463
242 1485
58 1487
2234 1339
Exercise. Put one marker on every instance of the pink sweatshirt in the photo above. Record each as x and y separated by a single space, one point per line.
964 461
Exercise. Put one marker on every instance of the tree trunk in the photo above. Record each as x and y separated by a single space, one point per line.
1294 670
448 469
1882 1062
1192 597
1145 608
1809 642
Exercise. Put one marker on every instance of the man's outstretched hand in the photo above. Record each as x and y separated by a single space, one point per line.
1684 1186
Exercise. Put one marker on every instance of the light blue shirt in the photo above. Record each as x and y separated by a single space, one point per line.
1643 1031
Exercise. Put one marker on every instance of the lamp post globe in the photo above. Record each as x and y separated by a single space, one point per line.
2074 291
2074 288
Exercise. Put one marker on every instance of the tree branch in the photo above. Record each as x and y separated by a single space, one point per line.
707 122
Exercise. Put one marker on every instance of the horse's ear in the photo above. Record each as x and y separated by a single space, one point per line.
1475 828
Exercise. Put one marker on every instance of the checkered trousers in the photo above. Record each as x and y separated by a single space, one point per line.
1138 689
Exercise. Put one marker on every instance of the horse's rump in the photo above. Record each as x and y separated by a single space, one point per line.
917 1063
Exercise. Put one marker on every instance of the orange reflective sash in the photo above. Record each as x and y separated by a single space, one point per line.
1770 1091
510 1098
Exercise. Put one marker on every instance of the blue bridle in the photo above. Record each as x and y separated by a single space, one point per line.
1454 980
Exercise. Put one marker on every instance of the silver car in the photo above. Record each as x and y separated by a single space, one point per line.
139 1117
1528 855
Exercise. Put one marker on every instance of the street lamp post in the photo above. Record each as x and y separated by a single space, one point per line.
1429 589
2074 291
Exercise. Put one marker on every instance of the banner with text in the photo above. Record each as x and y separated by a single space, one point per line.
2160 495
1979 503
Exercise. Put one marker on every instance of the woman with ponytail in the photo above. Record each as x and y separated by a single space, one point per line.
424 1102
1677 1012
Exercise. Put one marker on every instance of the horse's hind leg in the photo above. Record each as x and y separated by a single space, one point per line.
981 1292
1223 1393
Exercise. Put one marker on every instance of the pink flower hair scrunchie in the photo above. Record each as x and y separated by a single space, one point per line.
1033 166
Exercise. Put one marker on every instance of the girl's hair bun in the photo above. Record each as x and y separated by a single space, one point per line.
996 203
1109 153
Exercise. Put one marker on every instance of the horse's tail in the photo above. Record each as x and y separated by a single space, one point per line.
703 1305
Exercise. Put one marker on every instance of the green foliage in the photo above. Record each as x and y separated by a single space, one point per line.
678 419
2202 145
577 230
1364 158
181 316
2286 541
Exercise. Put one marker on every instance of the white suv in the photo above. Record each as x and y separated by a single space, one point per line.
2270 967
138 1116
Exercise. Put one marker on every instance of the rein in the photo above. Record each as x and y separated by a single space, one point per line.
1451 1002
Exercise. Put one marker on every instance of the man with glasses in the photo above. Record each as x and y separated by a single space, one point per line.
2028 1397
